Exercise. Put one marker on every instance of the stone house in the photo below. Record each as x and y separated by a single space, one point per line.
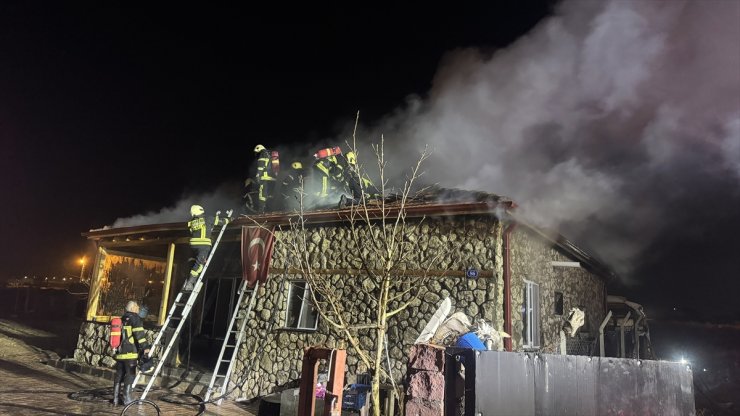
526 282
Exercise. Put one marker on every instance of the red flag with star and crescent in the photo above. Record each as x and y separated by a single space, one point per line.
256 254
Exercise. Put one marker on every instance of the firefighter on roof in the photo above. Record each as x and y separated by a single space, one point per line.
359 180
292 185
329 173
133 341
268 167
200 241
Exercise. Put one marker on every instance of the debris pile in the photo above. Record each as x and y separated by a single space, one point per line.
458 330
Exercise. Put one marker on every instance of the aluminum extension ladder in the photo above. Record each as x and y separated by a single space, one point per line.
178 312
232 340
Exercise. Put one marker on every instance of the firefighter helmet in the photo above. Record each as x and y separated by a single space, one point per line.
258 148
296 165
351 158
196 210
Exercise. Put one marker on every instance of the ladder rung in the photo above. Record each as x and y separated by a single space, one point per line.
230 345
225 361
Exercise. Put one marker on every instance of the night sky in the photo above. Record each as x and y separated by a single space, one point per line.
107 112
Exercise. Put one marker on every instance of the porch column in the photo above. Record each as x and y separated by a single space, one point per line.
166 287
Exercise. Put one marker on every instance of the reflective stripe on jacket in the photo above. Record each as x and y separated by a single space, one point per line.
263 167
133 337
199 235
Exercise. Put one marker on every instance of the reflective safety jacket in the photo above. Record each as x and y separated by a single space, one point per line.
133 337
264 167
329 170
200 230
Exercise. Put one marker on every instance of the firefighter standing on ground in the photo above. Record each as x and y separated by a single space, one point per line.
268 165
200 242
133 341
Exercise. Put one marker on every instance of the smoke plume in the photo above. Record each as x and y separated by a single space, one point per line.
223 198
615 122
602 122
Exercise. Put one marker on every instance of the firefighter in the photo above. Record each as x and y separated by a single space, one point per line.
357 182
200 241
329 173
133 341
292 185
268 165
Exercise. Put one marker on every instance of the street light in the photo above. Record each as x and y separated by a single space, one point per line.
82 269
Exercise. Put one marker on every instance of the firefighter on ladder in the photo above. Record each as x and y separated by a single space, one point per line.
268 165
200 241
133 341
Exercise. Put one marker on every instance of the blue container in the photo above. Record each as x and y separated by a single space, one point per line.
355 397
470 340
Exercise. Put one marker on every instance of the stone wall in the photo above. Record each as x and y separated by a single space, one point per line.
466 242
270 357
531 258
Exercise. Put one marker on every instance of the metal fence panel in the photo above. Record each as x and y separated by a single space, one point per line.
558 392
504 384
543 385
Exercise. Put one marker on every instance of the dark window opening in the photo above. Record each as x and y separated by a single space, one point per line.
558 303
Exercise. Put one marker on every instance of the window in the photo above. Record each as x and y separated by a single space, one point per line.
122 277
558 303
301 312
531 315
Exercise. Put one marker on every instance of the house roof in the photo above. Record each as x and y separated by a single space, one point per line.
433 202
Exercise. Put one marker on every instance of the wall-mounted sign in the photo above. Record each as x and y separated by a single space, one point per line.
471 273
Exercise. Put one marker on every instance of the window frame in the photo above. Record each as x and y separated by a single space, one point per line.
531 311
305 300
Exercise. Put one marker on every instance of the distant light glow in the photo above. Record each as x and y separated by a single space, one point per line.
683 360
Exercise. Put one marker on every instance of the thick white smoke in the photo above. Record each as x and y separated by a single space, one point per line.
601 122
223 198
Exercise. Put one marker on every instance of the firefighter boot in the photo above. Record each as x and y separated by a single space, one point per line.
116 392
127 394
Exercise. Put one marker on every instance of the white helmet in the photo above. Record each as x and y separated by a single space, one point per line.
196 210
258 148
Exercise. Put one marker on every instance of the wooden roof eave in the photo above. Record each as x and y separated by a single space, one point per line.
175 230
391 211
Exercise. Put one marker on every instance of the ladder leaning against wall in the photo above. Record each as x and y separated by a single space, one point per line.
179 312
229 349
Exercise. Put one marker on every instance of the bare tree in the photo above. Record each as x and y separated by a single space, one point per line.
380 232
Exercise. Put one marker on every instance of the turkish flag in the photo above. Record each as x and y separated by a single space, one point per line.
256 254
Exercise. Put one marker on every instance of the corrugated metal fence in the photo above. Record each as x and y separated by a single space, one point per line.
506 383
